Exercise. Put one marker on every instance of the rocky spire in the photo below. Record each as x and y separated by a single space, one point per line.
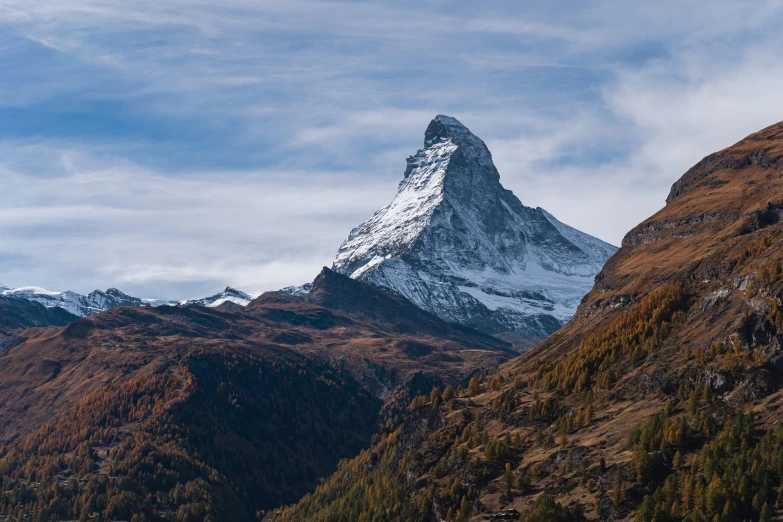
458 244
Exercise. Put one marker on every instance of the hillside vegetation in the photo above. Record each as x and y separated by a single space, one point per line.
218 436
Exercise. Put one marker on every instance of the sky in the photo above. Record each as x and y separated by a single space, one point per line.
172 147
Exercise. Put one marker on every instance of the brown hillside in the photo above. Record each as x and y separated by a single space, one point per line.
44 371
708 235
192 413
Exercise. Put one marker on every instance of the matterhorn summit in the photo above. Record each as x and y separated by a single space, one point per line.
458 244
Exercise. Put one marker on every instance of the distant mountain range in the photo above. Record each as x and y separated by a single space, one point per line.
99 301
72 302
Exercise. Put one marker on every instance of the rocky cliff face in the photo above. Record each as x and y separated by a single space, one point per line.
458 244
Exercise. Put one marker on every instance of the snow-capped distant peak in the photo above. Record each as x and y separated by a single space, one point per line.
298 291
32 290
228 295
77 304
244 298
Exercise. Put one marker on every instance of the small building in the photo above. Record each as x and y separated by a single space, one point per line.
508 514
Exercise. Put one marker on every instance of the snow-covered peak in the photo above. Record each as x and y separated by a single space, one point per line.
31 291
446 128
231 295
458 244
393 229
298 290
79 305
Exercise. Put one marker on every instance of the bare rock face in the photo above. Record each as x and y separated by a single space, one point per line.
459 245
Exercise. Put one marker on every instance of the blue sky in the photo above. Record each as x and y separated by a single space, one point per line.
173 147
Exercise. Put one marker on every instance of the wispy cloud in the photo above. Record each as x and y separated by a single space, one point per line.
104 221
170 147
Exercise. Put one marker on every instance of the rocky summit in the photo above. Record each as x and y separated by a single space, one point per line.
458 244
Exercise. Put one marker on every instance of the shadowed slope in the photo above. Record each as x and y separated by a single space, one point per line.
18 314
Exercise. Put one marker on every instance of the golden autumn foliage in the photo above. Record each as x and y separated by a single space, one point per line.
630 337
221 436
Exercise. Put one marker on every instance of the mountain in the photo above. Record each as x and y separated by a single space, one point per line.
299 290
214 413
100 301
19 314
231 295
381 338
76 304
660 400
457 244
